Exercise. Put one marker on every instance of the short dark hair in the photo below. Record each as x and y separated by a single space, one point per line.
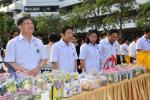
104 33
53 37
146 30
87 40
123 40
111 31
74 35
135 37
63 30
21 20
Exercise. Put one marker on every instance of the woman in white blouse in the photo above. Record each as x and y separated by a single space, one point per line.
89 53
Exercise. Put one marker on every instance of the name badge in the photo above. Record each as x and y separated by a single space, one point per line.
73 54
37 50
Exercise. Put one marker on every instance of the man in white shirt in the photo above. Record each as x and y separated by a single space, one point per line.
25 52
63 53
143 43
132 49
108 46
90 54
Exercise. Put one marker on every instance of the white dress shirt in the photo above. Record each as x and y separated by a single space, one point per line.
124 49
118 48
91 55
132 49
143 43
65 56
107 50
48 50
25 54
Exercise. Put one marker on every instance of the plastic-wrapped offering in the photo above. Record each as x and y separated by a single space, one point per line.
67 88
76 84
56 90
6 97
25 83
112 75
41 84
23 95
36 94
88 82
10 86
3 77
102 79
3 90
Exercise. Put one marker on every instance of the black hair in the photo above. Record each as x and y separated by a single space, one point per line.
146 30
53 37
89 33
65 28
135 37
21 20
123 41
74 35
104 33
110 32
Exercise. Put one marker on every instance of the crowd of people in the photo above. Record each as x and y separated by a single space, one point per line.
27 53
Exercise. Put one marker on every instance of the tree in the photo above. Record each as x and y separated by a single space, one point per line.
116 11
47 24
7 25
86 15
76 17
143 18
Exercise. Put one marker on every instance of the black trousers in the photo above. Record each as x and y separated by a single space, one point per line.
118 59
123 59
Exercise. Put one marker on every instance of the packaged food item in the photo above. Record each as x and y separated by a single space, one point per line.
25 83
67 88
3 90
56 90
87 84
6 97
41 84
4 77
76 84
102 79
112 75
10 86
36 94
23 95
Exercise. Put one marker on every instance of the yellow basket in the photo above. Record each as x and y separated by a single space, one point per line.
127 59
143 58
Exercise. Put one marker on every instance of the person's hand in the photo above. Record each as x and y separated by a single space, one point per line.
34 71
22 70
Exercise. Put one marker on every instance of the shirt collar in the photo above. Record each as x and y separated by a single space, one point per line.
21 37
107 41
63 43
90 44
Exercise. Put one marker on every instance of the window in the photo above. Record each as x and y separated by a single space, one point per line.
41 8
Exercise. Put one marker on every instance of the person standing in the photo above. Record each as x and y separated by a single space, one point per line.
143 43
63 53
143 49
132 49
89 53
52 38
25 52
124 50
108 47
